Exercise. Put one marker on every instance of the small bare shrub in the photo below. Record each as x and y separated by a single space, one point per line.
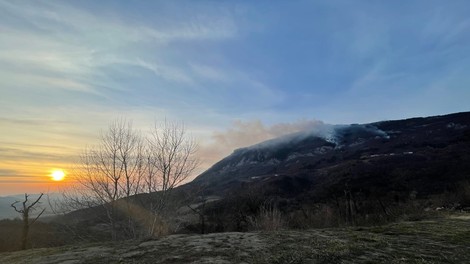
317 216
269 218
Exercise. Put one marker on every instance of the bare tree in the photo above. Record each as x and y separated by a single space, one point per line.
110 171
171 159
25 210
124 163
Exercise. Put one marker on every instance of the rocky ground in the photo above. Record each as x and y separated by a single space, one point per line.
444 240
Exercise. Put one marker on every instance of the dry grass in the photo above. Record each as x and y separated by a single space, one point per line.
443 240
269 218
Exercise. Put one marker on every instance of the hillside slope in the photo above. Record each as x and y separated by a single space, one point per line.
443 240
421 155
344 174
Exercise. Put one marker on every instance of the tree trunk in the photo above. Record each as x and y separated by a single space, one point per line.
203 224
24 233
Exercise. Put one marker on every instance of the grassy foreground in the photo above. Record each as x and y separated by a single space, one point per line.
444 240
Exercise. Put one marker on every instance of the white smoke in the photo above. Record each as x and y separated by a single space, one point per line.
255 134
247 133
319 129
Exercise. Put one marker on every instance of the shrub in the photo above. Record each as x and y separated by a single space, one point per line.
269 218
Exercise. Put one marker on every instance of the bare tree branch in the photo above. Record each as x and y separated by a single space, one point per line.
126 163
37 217
25 214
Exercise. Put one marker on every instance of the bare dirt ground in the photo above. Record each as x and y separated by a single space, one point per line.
445 240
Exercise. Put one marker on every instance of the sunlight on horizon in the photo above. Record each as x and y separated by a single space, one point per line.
57 175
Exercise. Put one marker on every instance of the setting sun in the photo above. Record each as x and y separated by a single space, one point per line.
57 175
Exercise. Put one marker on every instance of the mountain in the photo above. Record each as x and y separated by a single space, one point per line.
6 211
357 169
424 146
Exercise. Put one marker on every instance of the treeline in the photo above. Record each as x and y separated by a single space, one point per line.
259 208
42 235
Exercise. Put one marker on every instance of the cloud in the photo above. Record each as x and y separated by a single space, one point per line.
115 29
15 154
7 172
65 47
61 57
210 73
247 133
164 71
29 122
65 54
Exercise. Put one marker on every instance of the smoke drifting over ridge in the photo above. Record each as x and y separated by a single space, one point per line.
244 134
321 130
247 133
255 134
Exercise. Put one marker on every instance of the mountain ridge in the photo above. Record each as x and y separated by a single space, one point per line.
381 164
379 128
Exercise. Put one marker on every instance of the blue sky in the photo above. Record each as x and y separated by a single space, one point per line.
67 68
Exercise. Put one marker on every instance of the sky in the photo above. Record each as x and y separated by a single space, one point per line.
235 72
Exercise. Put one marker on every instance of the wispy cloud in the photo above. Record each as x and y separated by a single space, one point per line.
79 55
7 172
10 154
77 45
164 71
210 73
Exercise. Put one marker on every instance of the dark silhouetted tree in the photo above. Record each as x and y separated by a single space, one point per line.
25 210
